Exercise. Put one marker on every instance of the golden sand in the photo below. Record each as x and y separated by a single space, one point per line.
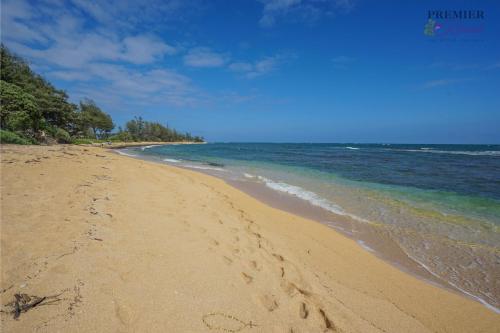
119 244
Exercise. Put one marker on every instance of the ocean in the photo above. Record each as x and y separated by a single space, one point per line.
438 204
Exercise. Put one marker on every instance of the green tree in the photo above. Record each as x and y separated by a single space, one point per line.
91 116
18 110
136 128
52 106
34 109
141 130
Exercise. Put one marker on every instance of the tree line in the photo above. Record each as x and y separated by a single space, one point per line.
33 111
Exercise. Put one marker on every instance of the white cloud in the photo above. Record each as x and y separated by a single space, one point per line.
262 66
437 83
241 67
273 8
103 58
94 9
120 87
144 49
204 57
128 14
344 5
62 40
13 13
70 75
442 82
454 66
97 48
90 47
301 10
18 9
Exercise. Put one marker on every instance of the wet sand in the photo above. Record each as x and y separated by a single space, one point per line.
120 244
371 238
116 145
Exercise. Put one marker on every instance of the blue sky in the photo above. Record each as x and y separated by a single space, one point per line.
273 70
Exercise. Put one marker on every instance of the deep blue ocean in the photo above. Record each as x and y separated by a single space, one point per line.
439 203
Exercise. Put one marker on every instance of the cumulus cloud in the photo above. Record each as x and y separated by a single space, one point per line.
241 67
91 47
128 14
274 8
117 86
59 35
260 67
94 9
97 55
108 50
308 11
442 82
143 49
204 57
13 14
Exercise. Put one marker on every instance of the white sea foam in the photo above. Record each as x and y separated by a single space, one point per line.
171 160
473 153
453 152
147 147
202 167
121 152
428 269
352 148
308 196
364 246
247 175
334 225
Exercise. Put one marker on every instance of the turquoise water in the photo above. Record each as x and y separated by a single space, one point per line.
439 203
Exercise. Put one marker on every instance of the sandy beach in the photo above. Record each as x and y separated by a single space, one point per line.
111 243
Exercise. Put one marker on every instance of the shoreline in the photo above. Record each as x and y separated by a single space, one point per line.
116 236
382 246
120 145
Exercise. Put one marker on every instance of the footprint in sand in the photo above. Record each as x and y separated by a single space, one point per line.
291 289
269 302
328 324
227 260
254 265
247 278
279 257
123 314
303 312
